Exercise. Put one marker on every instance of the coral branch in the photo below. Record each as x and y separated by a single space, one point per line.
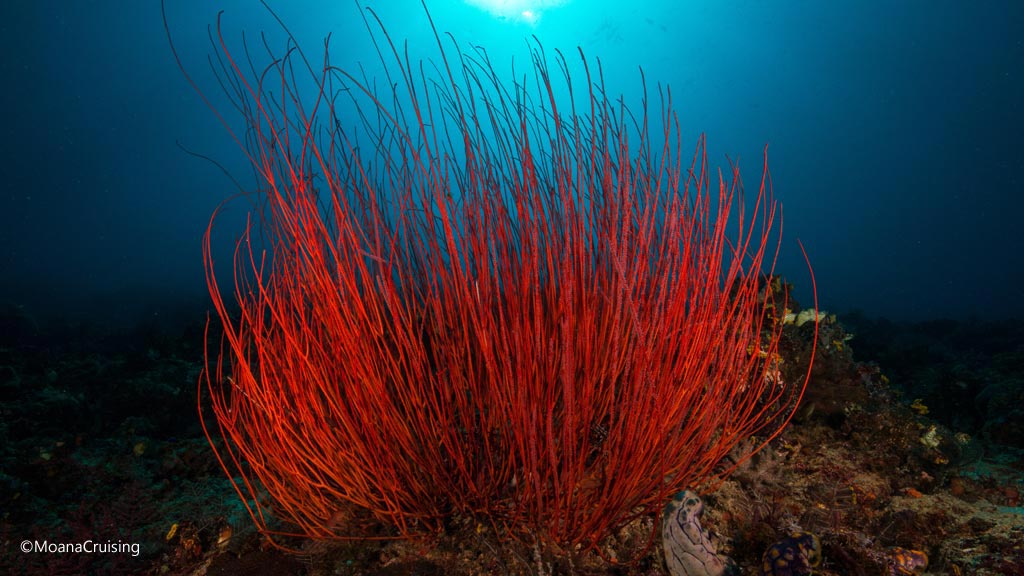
461 296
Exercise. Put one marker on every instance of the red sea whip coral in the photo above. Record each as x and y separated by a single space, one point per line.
515 301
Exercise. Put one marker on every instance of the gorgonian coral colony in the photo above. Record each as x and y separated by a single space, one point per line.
516 301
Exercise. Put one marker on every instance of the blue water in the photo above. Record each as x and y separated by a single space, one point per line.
895 133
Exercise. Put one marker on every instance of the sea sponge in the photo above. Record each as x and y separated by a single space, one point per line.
793 556
688 548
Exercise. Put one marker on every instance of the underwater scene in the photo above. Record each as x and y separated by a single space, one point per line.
512 287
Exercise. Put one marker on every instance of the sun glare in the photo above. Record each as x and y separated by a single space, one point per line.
525 11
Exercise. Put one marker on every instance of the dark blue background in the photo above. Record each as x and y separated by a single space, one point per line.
895 132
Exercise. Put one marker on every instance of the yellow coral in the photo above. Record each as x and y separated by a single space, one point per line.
918 406
931 438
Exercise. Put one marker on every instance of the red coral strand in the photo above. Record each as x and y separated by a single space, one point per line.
461 296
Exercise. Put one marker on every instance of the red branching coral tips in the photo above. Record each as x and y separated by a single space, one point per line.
451 283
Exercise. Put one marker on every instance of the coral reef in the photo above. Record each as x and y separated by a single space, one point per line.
852 470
